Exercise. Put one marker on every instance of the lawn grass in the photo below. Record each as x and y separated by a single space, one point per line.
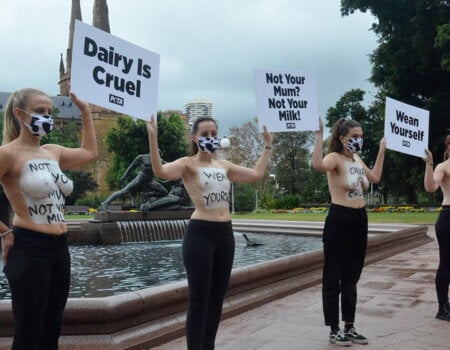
389 218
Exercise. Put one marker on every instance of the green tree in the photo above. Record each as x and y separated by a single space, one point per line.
315 188
125 140
244 198
290 170
442 45
66 136
247 143
291 160
411 64
83 182
348 106
171 137
129 138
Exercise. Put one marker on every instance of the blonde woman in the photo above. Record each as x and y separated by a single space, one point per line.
34 250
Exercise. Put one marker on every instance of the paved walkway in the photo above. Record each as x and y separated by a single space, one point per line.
396 311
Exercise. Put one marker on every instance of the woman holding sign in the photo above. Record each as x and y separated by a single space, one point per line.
208 245
346 226
432 181
34 250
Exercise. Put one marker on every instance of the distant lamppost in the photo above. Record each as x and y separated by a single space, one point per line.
224 144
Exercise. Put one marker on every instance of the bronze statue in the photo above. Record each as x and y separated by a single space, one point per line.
176 199
158 198
142 178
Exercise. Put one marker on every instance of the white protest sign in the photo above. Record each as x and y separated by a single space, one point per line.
286 101
112 73
406 128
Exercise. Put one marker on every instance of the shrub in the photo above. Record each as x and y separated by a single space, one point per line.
91 201
288 202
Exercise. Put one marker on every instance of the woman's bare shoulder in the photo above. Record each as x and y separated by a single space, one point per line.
11 159
11 151
444 167
333 155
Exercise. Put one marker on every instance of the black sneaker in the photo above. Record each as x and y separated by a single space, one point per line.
443 312
355 337
338 338
443 315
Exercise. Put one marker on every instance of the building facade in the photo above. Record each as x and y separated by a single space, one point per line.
198 108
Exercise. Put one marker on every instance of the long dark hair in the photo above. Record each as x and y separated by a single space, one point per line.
340 128
194 129
447 152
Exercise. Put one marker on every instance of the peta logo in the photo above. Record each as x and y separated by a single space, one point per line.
406 143
290 125
116 99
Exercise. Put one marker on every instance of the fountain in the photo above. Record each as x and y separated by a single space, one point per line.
115 227
149 317
164 211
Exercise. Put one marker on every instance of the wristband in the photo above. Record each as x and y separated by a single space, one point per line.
267 147
5 233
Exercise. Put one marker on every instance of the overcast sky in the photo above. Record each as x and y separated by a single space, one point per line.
208 49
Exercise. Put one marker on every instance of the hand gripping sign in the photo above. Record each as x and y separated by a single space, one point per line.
112 73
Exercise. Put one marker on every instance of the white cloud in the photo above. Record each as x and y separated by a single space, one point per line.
208 48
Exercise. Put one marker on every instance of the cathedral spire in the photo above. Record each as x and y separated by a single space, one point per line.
62 70
64 74
100 17
75 14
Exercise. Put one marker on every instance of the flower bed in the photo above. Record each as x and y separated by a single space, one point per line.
381 209
302 210
404 209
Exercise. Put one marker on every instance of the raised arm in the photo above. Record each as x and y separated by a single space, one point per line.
320 162
131 167
238 173
432 180
169 171
374 174
75 157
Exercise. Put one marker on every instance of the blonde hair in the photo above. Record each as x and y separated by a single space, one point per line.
11 126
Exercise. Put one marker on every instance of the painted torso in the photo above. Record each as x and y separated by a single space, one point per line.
356 179
44 187
215 187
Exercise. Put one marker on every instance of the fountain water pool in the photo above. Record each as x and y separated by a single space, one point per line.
105 270
149 317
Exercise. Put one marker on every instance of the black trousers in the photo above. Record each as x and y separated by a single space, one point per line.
443 237
208 254
38 273
345 243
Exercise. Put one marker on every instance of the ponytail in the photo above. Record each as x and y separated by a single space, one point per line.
11 126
